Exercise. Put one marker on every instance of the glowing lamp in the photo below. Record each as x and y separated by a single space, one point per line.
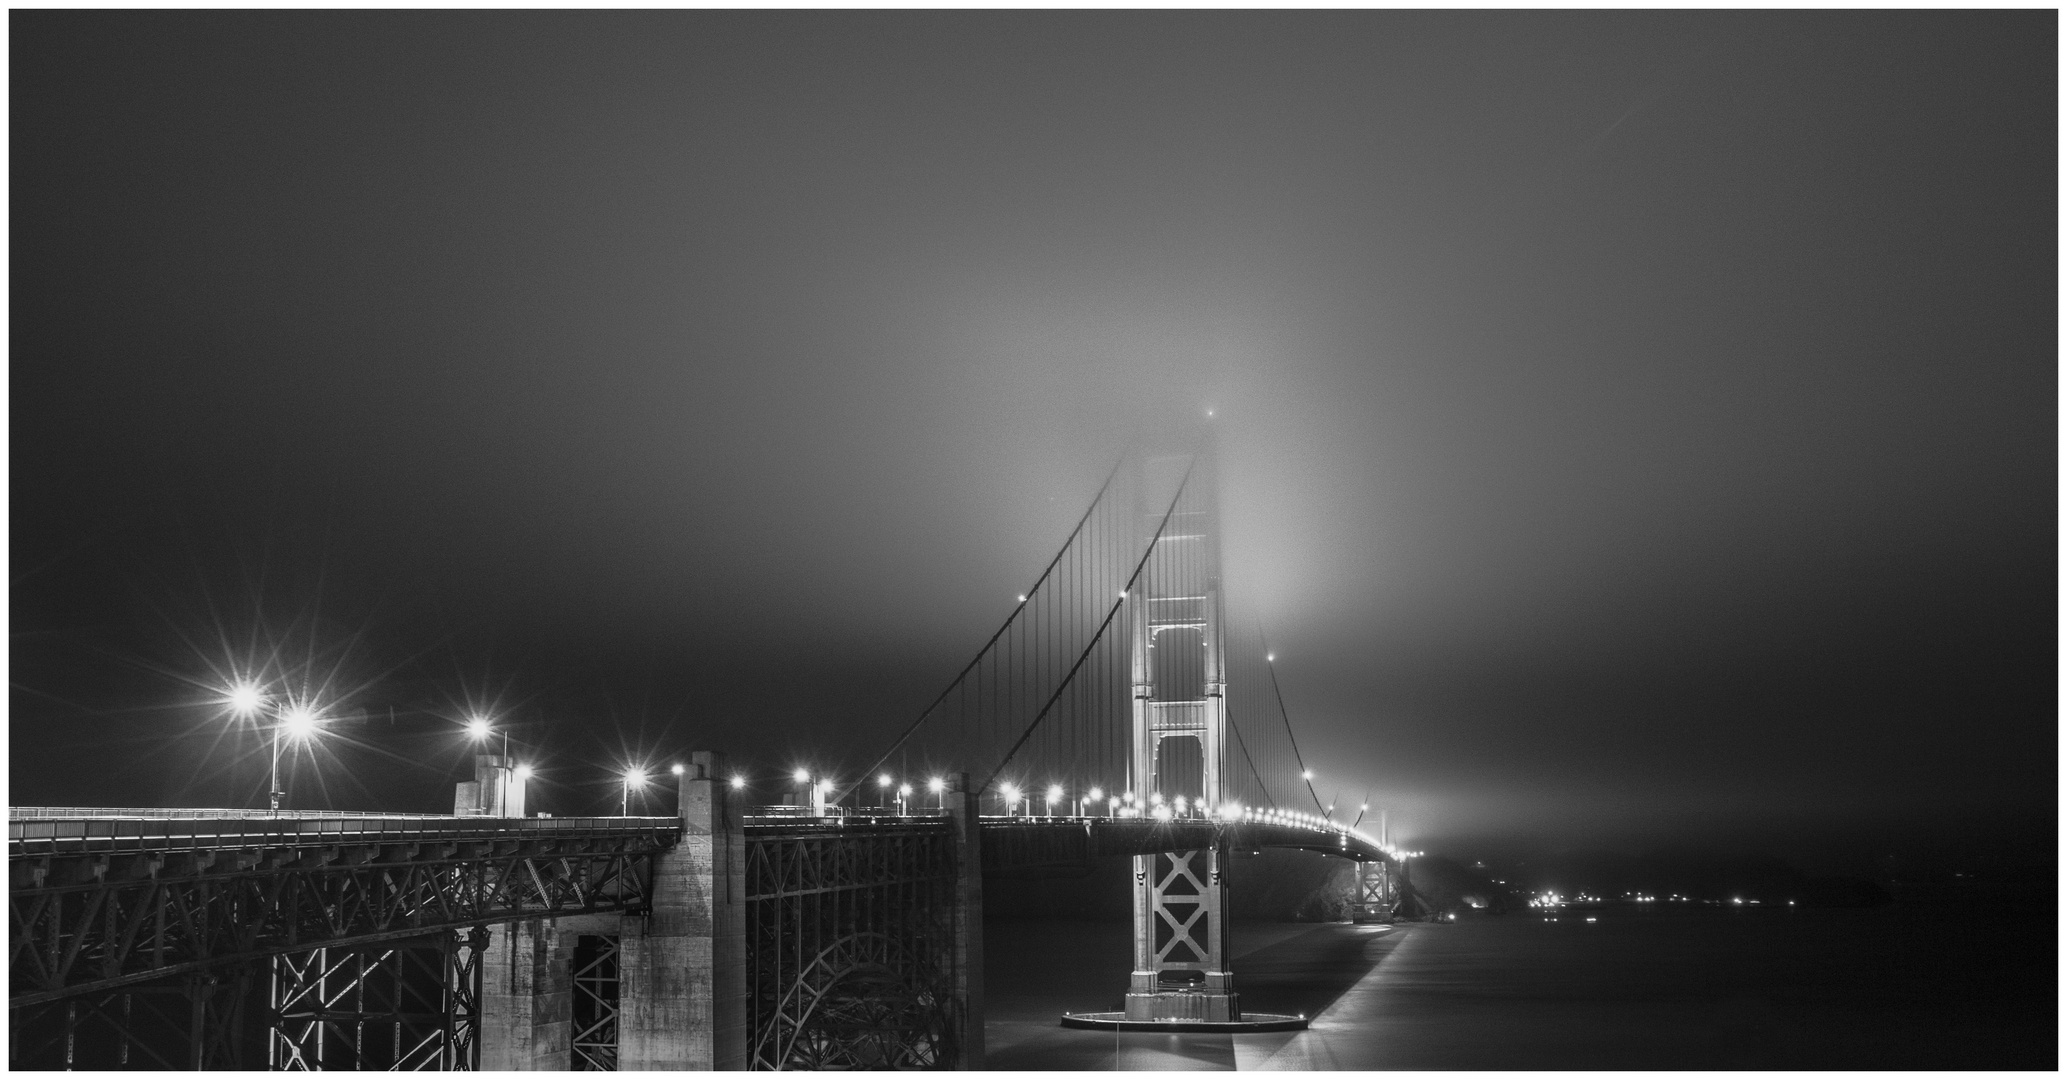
300 722
244 699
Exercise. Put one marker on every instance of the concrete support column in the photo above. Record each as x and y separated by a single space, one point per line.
964 811
682 966
495 790
527 997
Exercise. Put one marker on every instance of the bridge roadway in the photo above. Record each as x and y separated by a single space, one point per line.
106 897
805 942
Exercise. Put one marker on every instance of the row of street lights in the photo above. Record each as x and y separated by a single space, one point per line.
295 719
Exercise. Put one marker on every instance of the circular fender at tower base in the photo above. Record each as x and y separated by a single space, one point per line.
1250 1023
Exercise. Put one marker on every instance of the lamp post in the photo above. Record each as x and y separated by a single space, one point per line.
291 719
1054 796
903 794
297 721
632 778
938 787
883 782
482 728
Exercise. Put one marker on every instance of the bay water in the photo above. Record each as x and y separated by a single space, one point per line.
1910 985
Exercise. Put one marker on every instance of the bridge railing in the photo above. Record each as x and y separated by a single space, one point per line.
39 812
29 836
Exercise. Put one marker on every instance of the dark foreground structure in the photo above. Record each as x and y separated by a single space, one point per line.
240 940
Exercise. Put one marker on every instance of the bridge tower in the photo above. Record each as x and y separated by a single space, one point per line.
1178 747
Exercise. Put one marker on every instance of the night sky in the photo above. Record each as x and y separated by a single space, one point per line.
1637 428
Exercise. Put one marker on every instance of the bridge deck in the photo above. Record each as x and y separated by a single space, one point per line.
34 831
31 832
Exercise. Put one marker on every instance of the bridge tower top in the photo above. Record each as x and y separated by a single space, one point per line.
1177 643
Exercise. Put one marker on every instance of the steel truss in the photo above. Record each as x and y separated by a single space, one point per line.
410 1006
594 1044
850 943
1377 894
1186 897
187 1022
86 924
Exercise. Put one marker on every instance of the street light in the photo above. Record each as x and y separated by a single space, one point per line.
903 794
1009 793
482 728
1094 796
633 777
676 769
294 719
245 699
883 782
1054 796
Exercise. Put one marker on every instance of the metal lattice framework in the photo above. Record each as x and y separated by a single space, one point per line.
407 1006
850 946
190 1022
103 908
1377 892
594 1045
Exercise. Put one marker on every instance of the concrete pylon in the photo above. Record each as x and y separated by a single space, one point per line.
682 988
527 997
495 790
964 812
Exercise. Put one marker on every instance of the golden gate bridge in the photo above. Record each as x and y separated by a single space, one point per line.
1126 707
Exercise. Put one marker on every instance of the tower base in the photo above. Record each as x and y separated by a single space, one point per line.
1250 1023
